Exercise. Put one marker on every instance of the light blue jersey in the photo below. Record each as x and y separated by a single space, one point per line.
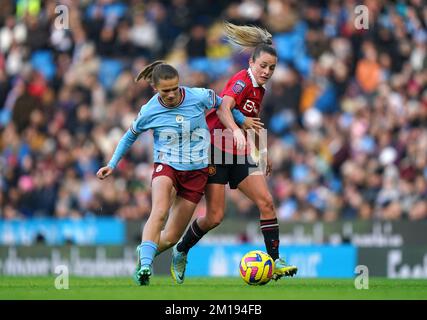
181 135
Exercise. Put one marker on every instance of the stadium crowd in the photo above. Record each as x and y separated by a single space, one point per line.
346 110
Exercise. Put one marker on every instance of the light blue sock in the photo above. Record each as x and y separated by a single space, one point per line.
147 250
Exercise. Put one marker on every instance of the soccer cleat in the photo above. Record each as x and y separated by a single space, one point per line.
142 275
179 262
282 269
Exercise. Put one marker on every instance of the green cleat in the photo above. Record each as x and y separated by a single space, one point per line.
282 269
142 275
179 262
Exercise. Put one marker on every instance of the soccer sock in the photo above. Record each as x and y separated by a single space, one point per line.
147 250
191 237
270 231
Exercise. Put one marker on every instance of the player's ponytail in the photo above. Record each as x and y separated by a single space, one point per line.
156 71
250 37
247 36
147 72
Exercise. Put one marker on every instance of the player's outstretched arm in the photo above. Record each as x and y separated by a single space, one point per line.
125 143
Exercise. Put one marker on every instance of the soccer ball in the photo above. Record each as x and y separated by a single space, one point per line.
256 268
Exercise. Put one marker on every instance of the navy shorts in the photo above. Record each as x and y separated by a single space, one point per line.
229 168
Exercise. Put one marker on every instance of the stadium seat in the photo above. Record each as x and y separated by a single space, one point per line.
109 70
42 61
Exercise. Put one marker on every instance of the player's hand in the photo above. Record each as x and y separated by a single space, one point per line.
252 123
104 172
239 139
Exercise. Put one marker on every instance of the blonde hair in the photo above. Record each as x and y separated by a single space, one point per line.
247 36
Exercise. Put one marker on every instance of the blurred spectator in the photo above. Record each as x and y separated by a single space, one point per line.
196 46
368 70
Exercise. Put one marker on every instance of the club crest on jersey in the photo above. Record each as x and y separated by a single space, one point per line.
159 168
179 119
238 86
212 170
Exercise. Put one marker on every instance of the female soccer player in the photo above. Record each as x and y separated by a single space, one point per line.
176 115
244 91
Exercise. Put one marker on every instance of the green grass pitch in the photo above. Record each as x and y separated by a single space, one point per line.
163 288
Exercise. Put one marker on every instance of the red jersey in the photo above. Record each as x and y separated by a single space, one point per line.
248 96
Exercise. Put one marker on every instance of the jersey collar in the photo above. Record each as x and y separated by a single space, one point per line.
182 90
254 83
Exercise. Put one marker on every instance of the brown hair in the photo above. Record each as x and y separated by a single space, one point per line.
156 71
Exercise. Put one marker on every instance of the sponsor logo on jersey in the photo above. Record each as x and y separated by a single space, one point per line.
250 106
159 168
238 86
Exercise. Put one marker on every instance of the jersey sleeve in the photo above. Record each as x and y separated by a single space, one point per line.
238 116
124 144
141 122
139 125
209 98
235 88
